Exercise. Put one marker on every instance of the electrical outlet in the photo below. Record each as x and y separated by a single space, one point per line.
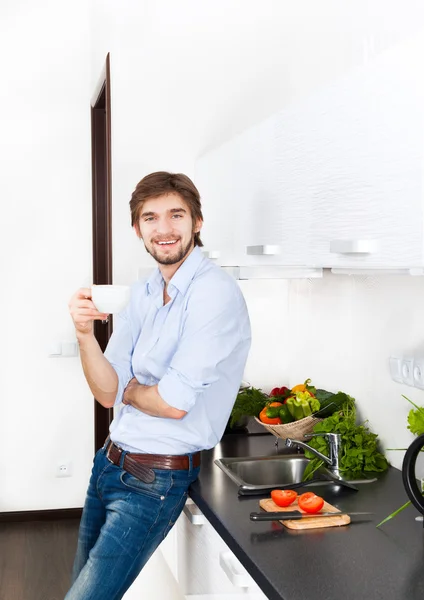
64 469
418 372
407 371
395 366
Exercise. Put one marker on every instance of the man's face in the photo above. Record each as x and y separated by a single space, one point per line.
167 229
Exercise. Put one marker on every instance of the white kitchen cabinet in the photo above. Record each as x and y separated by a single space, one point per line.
207 569
155 581
332 181
219 210
362 159
247 221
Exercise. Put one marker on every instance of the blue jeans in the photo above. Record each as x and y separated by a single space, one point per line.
123 522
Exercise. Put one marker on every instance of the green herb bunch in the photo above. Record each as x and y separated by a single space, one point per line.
416 426
359 446
415 419
250 401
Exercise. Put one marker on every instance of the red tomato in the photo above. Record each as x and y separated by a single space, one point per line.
310 502
283 497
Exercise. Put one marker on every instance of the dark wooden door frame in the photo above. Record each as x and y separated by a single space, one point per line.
101 157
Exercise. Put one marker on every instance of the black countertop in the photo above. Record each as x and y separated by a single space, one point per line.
354 562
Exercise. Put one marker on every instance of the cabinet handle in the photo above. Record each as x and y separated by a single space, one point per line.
267 250
229 565
211 254
194 514
353 246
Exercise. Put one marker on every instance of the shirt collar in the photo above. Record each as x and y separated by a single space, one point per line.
185 273
155 282
182 277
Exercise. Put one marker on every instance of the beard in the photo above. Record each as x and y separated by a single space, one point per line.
170 259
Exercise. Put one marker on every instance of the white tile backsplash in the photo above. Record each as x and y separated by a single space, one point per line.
268 304
340 331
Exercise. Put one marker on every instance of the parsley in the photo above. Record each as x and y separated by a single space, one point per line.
416 426
359 445
249 401
415 419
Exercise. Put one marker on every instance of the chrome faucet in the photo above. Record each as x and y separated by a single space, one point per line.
334 447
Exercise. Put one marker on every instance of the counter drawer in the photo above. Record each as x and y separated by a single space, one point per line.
207 569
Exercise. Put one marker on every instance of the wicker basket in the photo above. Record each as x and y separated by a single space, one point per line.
295 430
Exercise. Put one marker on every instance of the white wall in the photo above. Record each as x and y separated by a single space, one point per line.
185 76
340 332
382 316
45 248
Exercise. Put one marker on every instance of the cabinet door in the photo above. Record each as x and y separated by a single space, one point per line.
361 155
260 219
206 566
155 581
213 178
248 213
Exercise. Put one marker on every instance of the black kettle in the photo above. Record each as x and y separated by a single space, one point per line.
408 474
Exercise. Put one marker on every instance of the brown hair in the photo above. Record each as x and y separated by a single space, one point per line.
157 184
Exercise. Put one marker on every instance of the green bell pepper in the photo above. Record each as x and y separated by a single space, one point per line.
302 405
272 412
285 415
295 408
315 405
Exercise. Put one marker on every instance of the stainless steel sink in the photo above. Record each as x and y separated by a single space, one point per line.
258 474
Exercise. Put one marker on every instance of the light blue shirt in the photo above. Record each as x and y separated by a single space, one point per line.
194 347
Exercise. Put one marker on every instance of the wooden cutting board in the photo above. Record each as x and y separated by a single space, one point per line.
269 505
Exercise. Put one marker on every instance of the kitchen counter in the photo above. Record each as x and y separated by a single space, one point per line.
355 562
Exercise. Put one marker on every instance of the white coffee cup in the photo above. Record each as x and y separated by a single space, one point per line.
110 298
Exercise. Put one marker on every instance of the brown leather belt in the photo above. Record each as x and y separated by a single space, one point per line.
141 465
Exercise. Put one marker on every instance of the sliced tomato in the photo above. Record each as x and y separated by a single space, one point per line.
310 502
283 497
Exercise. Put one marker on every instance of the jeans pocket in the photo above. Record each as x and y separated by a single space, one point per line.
157 489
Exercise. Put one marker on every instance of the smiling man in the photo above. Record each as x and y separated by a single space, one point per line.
158 221
172 369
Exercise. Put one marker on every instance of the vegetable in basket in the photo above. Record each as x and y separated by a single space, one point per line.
253 401
263 417
302 405
249 401
273 410
285 414
280 392
304 387
329 402
270 415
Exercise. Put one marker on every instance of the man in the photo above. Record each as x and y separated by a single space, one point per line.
172 369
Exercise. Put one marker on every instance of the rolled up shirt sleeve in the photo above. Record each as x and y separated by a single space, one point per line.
210 334
119 352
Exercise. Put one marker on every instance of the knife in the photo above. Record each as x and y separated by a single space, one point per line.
296 514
